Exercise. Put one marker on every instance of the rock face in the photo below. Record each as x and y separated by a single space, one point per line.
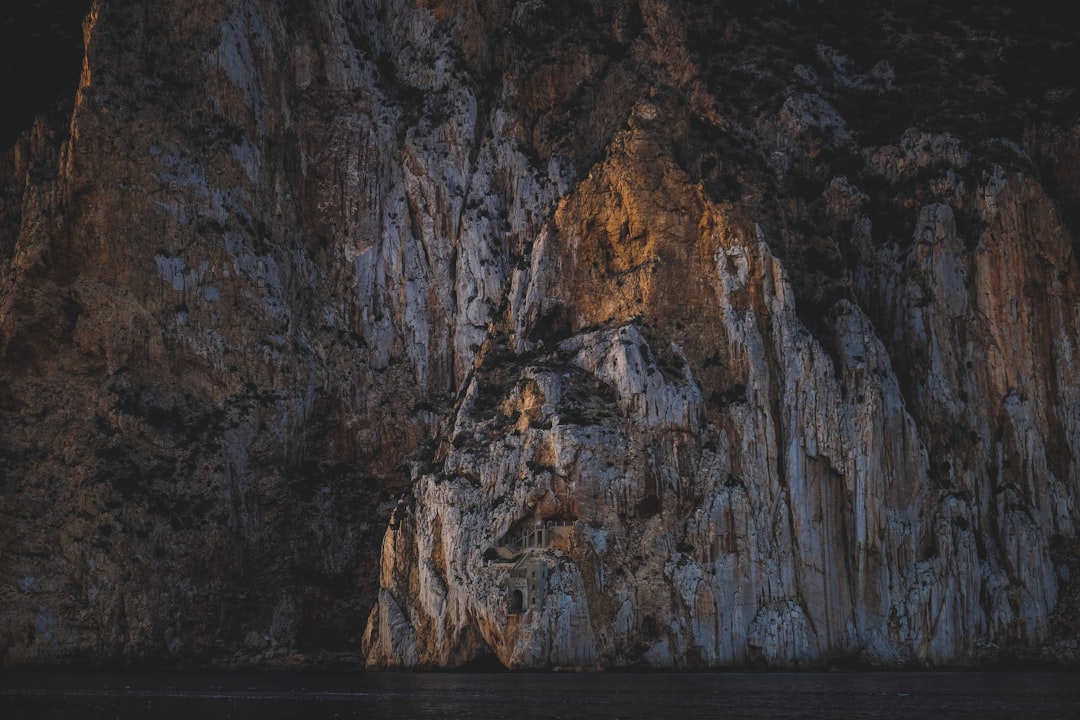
773 323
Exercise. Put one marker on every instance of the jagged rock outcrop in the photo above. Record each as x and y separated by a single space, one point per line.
776 320
861 450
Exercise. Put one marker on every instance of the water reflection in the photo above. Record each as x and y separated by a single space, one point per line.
723 696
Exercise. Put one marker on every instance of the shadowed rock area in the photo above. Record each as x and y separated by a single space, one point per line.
39 61
749 328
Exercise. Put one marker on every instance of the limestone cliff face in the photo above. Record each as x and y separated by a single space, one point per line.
238 292
777 324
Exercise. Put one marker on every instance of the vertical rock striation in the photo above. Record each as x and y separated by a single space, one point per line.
238 292
766 329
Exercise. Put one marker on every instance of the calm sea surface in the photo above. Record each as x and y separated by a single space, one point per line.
198 696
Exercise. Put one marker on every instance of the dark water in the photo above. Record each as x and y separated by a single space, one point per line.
165 696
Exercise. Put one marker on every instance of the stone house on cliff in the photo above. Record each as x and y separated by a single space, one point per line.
528 575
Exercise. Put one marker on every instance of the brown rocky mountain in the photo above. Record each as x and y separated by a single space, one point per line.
623 333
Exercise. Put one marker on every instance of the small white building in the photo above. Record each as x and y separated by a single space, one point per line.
527 584
528 577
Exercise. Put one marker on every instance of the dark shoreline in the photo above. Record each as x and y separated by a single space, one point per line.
321 666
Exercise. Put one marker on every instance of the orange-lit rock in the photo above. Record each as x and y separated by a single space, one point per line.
306 309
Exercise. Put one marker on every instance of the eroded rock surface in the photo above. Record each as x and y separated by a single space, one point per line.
316 307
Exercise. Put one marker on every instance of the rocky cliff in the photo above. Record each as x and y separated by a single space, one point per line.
315 314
